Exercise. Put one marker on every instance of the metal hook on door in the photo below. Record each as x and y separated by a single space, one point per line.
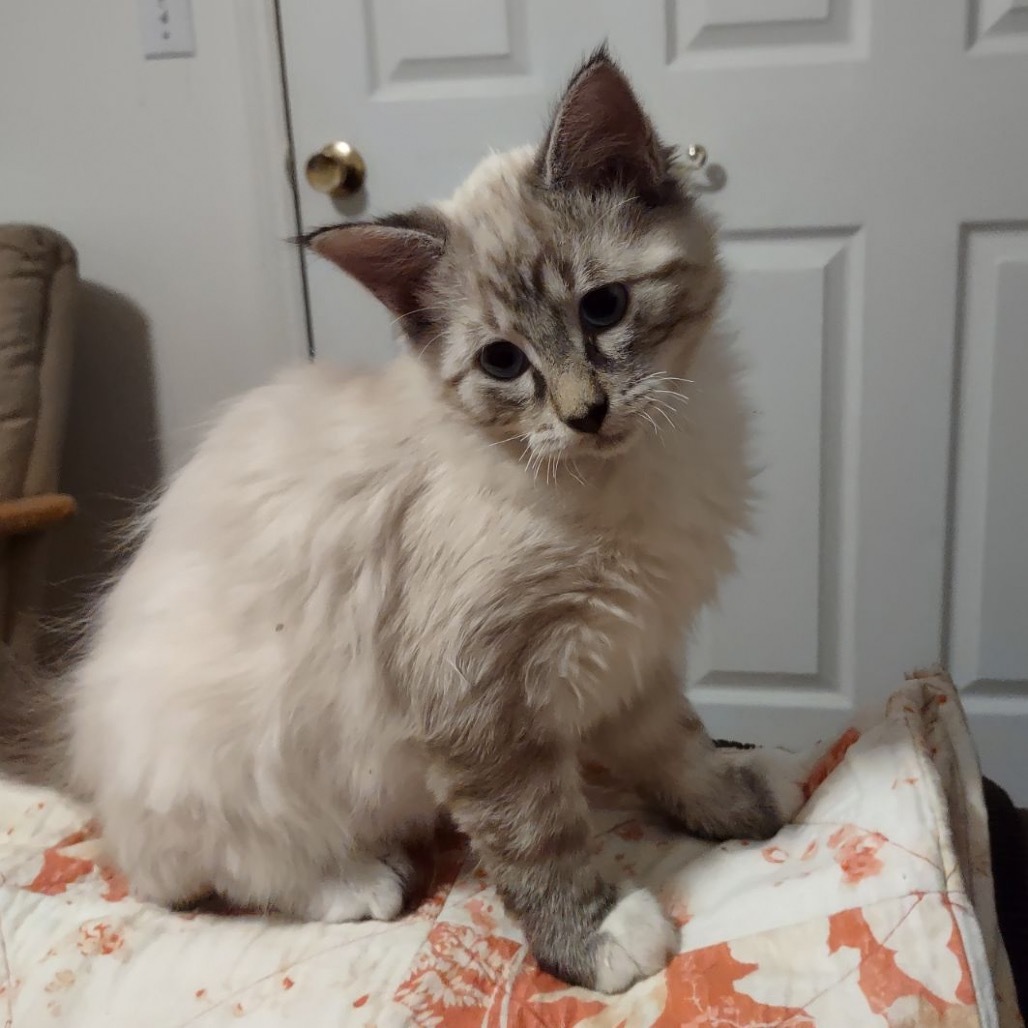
714 177
696 155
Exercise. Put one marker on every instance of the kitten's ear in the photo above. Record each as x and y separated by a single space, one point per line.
600 137
393 257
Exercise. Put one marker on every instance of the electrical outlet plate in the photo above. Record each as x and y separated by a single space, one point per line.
167 28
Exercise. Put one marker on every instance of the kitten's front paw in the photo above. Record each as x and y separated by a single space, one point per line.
762 794
633 942
369 889
783 774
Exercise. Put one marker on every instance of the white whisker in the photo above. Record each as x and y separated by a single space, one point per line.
665 415
500 442
421 310
656 427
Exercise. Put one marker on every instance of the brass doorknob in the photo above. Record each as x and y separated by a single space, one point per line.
337 169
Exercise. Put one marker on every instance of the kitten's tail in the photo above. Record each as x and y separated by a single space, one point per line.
33 733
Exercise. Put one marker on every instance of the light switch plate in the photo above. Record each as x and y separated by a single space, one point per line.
167 28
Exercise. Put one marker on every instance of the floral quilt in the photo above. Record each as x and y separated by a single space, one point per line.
874 908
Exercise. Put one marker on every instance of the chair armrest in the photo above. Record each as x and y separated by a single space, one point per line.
34 513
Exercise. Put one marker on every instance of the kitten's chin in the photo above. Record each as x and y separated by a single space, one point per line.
615 443
603 446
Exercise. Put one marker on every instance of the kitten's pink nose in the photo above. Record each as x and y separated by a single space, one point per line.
592 419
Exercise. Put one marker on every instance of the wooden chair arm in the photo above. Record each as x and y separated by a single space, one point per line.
34 513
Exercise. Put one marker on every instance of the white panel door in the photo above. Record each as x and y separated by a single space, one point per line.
868 161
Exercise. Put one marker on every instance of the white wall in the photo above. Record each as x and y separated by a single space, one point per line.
169 178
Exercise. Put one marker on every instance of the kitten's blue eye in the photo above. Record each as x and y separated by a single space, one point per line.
604 306
502 360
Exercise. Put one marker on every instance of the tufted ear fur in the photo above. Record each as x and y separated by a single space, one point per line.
393 257
601 139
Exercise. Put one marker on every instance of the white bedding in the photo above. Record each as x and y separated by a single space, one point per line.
875 908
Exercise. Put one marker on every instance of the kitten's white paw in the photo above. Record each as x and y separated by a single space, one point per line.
367 890
635 939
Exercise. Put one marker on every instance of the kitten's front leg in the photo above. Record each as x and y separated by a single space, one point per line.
661 748
522 806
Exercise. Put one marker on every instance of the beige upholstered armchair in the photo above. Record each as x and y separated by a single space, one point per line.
38 295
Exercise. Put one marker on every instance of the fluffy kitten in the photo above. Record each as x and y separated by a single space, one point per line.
371 598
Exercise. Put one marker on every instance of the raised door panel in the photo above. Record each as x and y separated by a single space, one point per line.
988 582
438 48
998 26
783 628
733 33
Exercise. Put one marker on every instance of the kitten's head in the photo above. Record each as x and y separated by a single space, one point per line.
559 294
